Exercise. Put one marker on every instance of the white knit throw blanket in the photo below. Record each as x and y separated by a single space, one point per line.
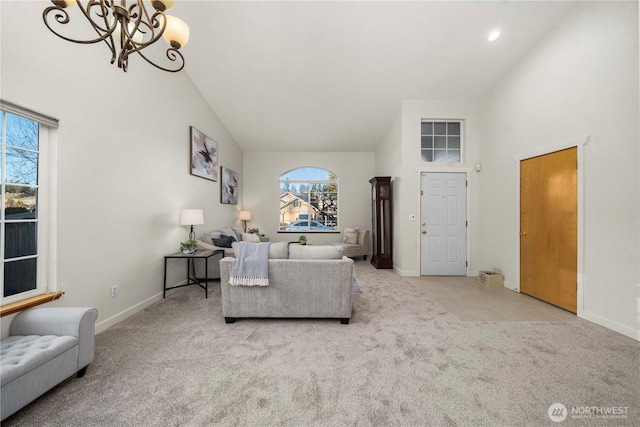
251 267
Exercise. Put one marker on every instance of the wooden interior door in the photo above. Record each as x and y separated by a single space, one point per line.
549 228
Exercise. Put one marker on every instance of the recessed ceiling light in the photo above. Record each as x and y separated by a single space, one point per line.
493 35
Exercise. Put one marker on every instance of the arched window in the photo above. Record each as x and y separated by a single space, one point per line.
308 200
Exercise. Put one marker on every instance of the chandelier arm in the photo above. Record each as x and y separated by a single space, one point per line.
63 18
138 13
102 13
151 24
108 18
173 54
108 28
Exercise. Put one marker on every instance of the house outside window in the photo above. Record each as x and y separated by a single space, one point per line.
308 200
441 141
24 217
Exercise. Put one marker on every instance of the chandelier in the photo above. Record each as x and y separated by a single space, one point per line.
126 27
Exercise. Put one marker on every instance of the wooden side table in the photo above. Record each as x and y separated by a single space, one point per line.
191 280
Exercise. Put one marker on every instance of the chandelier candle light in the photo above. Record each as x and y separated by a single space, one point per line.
125 26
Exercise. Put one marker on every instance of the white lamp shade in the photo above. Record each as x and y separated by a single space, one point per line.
176 32
191 217
244 216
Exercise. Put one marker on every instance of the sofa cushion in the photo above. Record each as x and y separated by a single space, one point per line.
279 250
315 252
22 354
208 247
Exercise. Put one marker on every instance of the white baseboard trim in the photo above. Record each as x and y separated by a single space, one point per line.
107 323
511 286
406 273
610 324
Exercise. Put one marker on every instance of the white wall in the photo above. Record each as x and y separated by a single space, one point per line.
406 166
582 79
262 172
124 161
389 163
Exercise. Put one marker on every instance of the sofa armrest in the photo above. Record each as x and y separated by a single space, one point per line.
363 239
52 321
74 321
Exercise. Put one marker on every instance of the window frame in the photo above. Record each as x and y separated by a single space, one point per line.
461 135
47 284
308 183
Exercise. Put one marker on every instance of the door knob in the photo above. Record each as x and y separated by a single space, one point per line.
424 231
424 223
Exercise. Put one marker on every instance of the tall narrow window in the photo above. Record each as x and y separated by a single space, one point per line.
308 200
441 141
24 215
20 150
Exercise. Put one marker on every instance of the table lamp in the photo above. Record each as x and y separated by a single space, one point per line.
244 216
191 217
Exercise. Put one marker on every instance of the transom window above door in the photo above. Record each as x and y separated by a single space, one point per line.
441 141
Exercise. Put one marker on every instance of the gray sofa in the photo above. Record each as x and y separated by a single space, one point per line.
206 241
304 285
45 346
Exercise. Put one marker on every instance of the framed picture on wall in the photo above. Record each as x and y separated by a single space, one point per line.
204 155
228 186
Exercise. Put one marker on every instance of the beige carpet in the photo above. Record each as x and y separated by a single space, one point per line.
404 360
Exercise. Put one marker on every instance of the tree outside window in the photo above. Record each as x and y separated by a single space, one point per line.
308 200
19 217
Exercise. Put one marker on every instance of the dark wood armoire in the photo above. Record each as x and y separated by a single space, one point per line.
382 221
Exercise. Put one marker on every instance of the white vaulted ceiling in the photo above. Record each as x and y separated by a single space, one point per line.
330 75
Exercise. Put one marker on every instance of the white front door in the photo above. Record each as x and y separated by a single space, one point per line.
443 224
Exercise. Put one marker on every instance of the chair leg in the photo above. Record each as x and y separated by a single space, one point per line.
344 321
230 319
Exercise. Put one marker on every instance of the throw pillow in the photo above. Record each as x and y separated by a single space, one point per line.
249 237
315 252
223 241
229 232
238 232
212 235
350 236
